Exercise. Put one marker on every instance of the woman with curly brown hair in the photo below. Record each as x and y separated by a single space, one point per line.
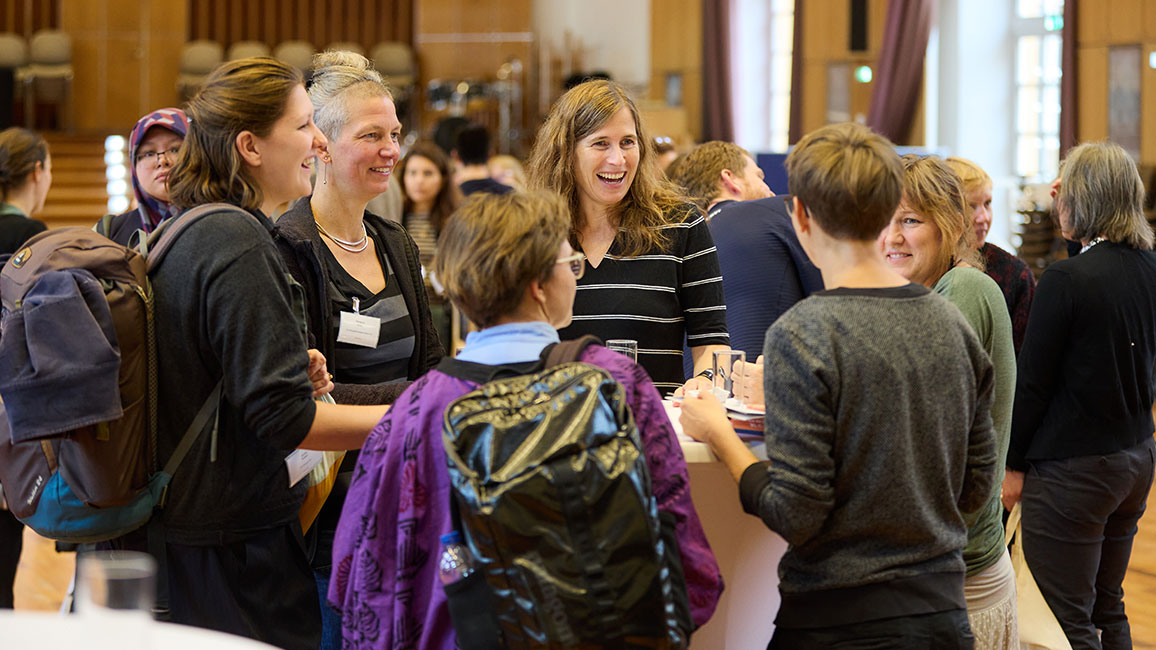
653 271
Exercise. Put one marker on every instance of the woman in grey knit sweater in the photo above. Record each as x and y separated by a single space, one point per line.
878 428
930 241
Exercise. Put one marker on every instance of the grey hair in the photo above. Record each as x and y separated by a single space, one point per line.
1103 196
336 76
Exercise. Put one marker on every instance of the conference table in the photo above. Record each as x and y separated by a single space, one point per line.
24 630
747 552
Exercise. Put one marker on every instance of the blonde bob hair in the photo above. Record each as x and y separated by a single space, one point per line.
494 246
1103 196
583 110
971 175
242 95
932 190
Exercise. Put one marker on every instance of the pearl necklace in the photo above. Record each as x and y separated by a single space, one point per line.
1092 243
351 246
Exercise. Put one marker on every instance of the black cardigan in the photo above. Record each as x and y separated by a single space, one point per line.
1084 385
300 246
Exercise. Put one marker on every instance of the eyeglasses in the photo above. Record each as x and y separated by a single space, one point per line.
153 158
789 200
577 263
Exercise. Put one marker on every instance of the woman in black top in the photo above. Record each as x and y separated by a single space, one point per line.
364 295
1081 449
653 273
25 176
229 315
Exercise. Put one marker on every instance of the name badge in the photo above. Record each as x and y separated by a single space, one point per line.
357 329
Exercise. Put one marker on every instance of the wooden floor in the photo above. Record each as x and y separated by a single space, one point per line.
44 576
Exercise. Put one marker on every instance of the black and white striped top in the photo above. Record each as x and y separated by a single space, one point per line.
660 299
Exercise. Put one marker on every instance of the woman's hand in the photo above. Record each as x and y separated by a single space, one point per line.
703 417
319 373
1013 487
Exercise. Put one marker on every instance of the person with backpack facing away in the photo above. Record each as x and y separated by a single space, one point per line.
228 315
25 176
507 263
878 424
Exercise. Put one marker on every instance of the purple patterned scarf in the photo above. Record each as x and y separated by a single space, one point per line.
153 210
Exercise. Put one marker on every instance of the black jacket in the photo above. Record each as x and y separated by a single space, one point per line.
1084 383
300 246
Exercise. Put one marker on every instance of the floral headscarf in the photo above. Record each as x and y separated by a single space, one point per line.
153 210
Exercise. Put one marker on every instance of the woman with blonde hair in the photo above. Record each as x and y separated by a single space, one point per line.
1012 274
230 323
355 266
653 271
1082 457
506 263
930 241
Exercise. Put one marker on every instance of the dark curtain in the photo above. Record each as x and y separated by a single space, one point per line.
899 71
1069 101
717 118
795 126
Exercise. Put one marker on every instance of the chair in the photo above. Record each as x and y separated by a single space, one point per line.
13 51
48 72
349 46
298 54
198 59
246 49
13 56
395 61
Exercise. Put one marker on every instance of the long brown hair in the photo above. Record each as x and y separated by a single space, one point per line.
243 95
448 198
581 111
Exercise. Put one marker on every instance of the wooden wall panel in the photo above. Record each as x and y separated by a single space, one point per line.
1093 102
676 36
1125 21
126 54
24 17
320 22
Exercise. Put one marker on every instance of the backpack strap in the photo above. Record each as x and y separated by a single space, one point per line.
154 247
567 351
104 226
207 410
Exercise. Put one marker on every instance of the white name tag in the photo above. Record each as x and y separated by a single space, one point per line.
359 330
301 462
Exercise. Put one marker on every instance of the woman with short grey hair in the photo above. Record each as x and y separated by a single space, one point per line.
1082 456
365 298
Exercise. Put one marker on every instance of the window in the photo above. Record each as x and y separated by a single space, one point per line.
761 71
1038 70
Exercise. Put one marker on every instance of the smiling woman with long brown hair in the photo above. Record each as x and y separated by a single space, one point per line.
653 273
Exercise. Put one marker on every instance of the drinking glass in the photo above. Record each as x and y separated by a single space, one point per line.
629 347
116 582
724 373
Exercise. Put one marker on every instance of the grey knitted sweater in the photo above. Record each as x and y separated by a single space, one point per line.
879 437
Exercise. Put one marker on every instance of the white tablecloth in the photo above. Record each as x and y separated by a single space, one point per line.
22 630
748 552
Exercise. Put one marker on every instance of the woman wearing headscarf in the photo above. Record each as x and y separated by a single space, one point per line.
153 146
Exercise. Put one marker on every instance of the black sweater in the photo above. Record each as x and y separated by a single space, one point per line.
225 309
300 246
1084 385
